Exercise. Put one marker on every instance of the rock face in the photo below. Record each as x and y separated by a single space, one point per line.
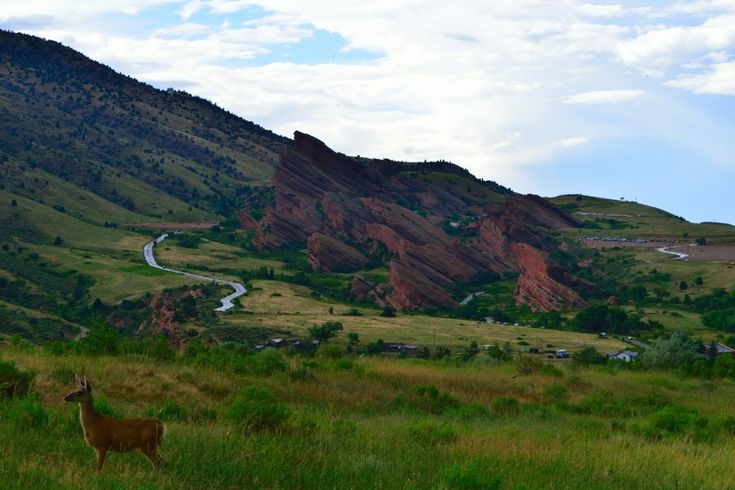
351 211
331 255
544 286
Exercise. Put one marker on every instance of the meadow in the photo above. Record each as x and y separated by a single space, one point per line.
342 422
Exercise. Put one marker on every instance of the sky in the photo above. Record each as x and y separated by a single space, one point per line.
628 99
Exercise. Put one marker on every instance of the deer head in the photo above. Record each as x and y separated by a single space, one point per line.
82 393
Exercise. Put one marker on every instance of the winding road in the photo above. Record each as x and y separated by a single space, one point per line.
679 255
226 301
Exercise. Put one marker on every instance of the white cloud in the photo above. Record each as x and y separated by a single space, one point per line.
479 83
604 97
720 80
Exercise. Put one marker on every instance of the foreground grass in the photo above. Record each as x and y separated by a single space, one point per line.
361 424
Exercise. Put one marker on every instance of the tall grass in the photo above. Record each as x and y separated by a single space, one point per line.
380 424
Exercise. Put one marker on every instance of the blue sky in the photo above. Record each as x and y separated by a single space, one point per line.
626 99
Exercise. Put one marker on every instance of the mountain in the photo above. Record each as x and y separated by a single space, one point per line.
84 147
144 150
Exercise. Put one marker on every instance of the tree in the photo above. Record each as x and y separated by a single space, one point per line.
683 286
14 203
589 355
325 331
58 241
353 337
670 353
388 312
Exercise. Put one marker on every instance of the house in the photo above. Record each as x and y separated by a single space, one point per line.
276 343
562 354
625 355
719 349
402 349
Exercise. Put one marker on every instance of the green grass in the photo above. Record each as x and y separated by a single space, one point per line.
366 427
639 221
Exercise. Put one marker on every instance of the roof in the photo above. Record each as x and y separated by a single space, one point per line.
626 352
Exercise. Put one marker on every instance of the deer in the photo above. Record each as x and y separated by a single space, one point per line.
104 433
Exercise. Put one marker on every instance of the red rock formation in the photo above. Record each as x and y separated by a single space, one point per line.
544 286
329 199
331 255
247 222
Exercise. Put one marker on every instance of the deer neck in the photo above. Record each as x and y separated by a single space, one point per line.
86 411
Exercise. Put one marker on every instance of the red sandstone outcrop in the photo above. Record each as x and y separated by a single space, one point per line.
328 254
331 201
544 286
247 222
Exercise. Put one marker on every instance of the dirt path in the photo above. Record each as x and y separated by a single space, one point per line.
226 301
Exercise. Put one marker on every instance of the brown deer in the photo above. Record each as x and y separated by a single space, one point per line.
104 433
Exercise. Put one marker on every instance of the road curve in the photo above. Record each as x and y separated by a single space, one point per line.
679 255
226 301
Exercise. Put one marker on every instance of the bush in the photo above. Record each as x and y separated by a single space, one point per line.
299 371
473 411
588 356
168 411
256 409
526 365
26 412
470 475
506 405
676 420
269 362
14 382
432 434
430 399
329 352
556 392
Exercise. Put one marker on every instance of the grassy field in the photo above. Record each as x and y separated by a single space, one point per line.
631 219
280 305
369 424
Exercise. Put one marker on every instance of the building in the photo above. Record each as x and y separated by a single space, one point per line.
625 355
719 349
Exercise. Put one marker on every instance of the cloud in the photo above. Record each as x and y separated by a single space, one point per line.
719 80
479 83
604 97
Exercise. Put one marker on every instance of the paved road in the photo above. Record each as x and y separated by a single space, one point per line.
226 301
471 297
679 255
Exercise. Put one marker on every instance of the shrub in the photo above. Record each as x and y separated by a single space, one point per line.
589 355
14 382
432 434
27 412
269 362
473 411
676 420
168 411
432 400
63 375
526 365
256 409
329 352
470 475
506 405
556 392
299 371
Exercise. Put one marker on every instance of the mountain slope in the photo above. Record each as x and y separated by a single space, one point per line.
142 149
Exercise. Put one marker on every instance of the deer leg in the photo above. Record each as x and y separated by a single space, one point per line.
101 453
152 454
